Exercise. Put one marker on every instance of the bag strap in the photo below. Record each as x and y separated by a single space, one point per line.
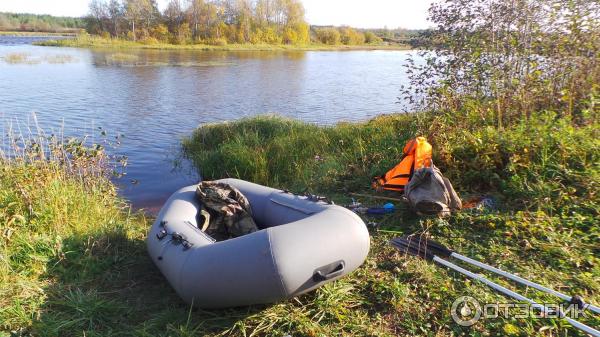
203 215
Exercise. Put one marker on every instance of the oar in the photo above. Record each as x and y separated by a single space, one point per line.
404 246
440 250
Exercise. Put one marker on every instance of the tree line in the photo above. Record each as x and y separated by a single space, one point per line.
344 35
206 21
39 23
216 22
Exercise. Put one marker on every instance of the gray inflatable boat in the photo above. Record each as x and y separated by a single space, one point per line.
302 245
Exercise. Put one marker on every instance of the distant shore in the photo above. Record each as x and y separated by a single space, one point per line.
98 42
39 34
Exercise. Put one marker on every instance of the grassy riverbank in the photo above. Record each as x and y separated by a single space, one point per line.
542 172
84 41
73 260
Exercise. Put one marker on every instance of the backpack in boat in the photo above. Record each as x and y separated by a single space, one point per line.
430 193
224 211
416 155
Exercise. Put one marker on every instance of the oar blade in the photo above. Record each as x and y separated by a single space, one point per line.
423 242
421 246
413 250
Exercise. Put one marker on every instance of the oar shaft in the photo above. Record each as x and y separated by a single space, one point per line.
519 279
375 197
514 295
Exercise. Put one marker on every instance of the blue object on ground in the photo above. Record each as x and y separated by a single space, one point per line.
379 210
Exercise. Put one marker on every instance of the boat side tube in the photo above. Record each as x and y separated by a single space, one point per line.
303 245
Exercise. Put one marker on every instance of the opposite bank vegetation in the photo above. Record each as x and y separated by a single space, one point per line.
72 254
91 41
214 24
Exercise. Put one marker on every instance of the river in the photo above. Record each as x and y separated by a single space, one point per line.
155 98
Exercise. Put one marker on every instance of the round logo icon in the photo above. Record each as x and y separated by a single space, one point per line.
466 311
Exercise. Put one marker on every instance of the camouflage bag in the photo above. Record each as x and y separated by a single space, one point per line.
430 193
225 212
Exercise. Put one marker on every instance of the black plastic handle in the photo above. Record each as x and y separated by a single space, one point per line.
329 271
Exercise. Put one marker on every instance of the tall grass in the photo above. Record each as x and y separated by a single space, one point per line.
285 153
544 158
58 209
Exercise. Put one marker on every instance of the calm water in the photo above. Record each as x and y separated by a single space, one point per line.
155 98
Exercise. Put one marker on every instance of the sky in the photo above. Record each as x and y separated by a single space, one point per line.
356 13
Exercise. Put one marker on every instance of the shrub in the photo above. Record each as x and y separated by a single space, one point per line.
149 40
544 162
161 33
330 36
257 36
349 36
507 60
302 31
290 36
216 41
371 38
182 34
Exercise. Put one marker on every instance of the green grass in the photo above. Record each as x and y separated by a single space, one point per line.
290 154
86 41
543 172
73 260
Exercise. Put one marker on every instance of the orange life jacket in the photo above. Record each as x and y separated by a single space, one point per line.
416 155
